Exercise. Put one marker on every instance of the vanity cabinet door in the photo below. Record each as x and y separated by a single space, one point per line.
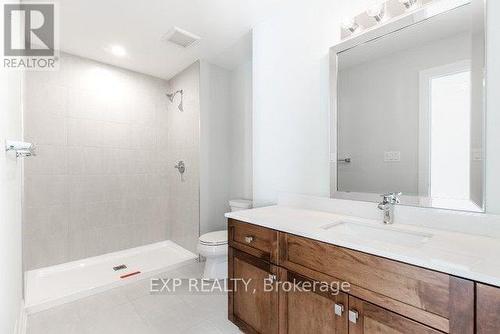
304 309
366 318
488 309
252 308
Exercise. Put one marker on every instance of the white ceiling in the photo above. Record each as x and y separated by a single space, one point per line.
89 27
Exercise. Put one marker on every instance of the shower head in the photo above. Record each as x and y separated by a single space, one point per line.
171 97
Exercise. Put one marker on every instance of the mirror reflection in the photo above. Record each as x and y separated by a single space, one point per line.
410 113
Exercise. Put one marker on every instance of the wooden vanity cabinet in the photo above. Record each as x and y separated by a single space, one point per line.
438 300
385 296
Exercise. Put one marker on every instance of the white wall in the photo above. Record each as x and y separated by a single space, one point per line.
226 135
215 143
11 278
493 109
290 98
241 131
10 202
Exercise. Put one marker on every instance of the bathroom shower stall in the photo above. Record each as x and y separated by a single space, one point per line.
102 199
129 170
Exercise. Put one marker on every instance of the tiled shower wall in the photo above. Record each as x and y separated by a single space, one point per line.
100 180
184 144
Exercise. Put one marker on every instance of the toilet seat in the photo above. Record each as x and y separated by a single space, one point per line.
216 238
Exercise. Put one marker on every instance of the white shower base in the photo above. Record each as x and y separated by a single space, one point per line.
51 286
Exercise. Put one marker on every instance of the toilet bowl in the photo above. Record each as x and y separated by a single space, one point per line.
213 246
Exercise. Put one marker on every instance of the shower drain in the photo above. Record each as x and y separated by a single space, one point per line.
120 267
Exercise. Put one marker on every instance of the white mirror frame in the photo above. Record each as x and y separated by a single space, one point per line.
379 31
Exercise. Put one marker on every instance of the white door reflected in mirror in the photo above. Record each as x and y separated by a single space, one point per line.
450 137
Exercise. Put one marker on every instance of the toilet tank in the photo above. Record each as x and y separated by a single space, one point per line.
240 204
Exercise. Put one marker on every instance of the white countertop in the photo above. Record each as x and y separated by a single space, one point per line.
469 256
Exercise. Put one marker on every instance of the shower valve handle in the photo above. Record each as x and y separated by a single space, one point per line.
180 166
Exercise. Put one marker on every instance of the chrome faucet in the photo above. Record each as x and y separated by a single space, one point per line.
387 205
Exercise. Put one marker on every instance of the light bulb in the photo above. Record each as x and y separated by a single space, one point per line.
409 4
350 25
376 11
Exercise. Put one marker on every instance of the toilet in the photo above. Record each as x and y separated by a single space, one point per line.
213 246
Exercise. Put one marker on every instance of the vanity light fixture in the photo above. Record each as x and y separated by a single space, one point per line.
409 4
377 12
350 25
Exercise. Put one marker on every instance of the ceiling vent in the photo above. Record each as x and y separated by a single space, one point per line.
181 37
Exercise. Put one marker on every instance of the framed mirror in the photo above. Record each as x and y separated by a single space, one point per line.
408 108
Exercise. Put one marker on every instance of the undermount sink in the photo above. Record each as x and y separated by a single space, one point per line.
382 233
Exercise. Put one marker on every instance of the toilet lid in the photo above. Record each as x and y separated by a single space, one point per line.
214 238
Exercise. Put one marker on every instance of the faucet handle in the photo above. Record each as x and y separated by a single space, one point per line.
392 197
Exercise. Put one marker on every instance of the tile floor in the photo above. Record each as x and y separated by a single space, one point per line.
133 310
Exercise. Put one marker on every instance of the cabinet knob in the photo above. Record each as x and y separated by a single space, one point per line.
249 239
353 316
339 309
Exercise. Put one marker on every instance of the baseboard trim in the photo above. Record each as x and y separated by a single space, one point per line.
22 320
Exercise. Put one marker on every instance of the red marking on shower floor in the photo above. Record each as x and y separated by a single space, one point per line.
131 274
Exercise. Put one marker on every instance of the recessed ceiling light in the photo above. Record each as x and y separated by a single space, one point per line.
118 50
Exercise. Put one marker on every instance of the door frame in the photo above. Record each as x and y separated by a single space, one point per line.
424 115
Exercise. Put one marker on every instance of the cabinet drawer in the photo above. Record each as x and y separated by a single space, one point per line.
255 240
443 301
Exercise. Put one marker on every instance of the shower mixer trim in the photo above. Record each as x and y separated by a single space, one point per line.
180 166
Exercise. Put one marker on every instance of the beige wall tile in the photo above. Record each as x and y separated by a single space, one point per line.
45 190
45 99
104 179
46 221
182 128
36 251
45 129
50 159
